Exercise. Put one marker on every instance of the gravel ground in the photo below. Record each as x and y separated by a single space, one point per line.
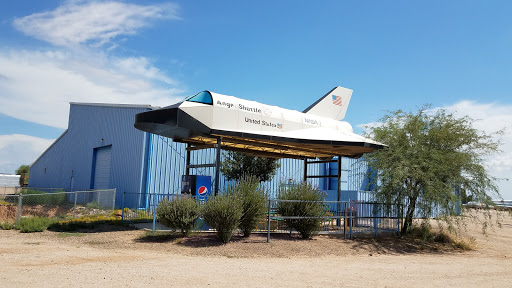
128 258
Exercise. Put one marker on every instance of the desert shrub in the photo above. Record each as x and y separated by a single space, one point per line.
223 212
35 224
94 205
254 201
427 235
44 198
85 222
6 226
178 213
306 193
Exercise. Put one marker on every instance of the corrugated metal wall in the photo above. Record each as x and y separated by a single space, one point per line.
166 165
68 162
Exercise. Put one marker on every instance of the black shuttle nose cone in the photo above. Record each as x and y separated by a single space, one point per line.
170 122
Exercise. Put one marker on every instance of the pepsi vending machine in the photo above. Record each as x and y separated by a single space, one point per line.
197 186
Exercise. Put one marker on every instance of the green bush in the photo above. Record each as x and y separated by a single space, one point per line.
223 212
254 200
304 192
94 205
35 224
44 198
6 226
178 213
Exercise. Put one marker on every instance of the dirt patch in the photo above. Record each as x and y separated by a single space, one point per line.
130 258
8 213
45 211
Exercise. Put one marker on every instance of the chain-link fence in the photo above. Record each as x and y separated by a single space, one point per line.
13 190
64 205
142 206
347 217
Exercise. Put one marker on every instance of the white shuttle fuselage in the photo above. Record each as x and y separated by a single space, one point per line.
262 129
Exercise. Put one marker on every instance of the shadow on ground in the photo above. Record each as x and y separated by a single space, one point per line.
384 244
393 244
90 227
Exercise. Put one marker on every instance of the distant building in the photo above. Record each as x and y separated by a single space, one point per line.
9 180
102 150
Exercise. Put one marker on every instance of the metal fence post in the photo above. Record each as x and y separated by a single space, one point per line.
345 220
20 200
398 217
351 219
74 206
268 221
114 200
154 212
122 207
374 212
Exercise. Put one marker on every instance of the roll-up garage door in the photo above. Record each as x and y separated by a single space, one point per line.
103 158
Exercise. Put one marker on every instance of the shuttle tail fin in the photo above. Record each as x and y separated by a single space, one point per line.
332 105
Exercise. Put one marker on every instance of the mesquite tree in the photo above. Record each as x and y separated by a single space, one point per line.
431 155
238 164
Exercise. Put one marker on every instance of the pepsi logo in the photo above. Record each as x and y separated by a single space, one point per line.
202 190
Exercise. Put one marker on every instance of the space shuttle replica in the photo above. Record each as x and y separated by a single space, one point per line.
207 119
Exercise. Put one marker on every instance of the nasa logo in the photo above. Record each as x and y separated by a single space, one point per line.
202 190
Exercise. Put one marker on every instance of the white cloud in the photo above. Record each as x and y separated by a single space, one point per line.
490 118
17 150
92 22
37 86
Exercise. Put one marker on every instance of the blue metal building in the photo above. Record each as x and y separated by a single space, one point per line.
102 149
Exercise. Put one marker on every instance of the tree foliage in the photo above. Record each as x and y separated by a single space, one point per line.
23 169
431 156
237 164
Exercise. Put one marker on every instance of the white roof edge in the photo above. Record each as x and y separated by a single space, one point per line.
115 105
49 147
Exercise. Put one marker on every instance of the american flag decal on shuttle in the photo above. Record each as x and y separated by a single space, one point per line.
336 100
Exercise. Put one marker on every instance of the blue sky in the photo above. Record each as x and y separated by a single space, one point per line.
393 54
